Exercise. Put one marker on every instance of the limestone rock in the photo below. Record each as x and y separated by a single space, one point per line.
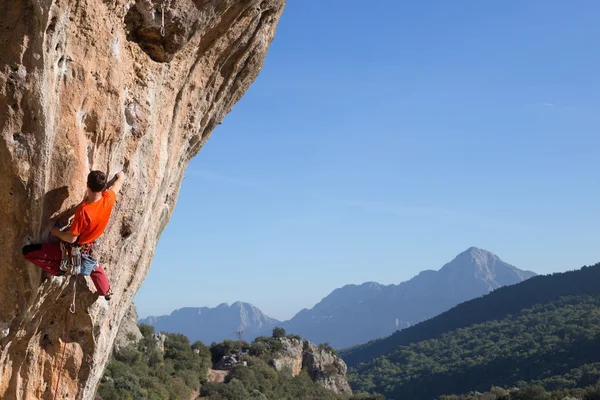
160 339
227 363
129 332
291 357
324 367
92 84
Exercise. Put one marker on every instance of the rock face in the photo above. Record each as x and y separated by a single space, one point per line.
356 314
128 332
227 363
215 324
324 367
160 339
291 357
91 84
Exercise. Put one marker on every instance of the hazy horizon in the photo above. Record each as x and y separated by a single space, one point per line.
293 313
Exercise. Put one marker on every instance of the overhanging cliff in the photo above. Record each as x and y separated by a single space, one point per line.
92 84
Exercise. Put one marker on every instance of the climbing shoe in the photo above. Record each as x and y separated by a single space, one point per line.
108 294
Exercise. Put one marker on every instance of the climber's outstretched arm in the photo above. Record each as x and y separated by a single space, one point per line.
119 178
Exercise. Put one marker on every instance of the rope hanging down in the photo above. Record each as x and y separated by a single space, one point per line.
67 339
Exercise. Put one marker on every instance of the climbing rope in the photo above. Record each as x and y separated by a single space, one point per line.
67 339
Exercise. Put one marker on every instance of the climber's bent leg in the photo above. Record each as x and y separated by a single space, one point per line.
47 256
100 281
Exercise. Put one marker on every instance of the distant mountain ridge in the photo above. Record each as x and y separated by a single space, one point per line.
214 324
539 290
543 331
356 314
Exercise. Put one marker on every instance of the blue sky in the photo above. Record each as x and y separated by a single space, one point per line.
383 138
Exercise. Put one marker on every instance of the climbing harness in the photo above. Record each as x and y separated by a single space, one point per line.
67 339
78 259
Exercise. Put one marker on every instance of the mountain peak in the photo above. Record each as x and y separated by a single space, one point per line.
477 252
474 257
484 266
359 313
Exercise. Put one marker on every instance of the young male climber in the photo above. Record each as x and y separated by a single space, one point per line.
74 252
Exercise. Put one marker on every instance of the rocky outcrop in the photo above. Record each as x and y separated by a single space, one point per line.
291 357
228 362
129 332
321 364
92 84
326 368
160 339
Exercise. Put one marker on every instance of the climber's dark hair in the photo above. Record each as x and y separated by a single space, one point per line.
96 181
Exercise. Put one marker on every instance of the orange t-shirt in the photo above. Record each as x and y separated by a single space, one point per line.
91 218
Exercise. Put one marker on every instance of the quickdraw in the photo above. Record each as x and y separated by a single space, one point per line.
162 24
162 17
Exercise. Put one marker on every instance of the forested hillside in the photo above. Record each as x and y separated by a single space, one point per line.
556 345
543 332
168 367
504 301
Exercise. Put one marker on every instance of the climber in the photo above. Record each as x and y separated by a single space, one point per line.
75 250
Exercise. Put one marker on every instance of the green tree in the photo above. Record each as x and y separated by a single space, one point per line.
278 333
204 359
146 330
